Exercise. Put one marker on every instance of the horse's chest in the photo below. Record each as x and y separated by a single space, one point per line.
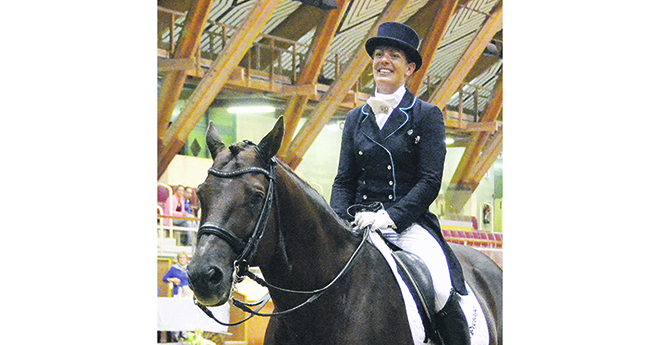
360 314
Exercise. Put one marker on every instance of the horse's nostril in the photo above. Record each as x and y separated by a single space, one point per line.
214 274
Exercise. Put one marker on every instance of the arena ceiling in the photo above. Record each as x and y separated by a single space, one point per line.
308 61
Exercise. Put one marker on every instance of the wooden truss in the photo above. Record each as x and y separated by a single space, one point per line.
211 76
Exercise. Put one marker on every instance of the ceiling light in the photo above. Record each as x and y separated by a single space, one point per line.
251 109
449 140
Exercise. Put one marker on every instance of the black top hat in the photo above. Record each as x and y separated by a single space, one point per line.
397 35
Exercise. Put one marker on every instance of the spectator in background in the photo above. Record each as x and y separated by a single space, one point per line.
177 275
191 201
175 206
191 204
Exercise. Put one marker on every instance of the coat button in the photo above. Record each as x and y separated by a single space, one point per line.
360 153
391 183
364 197
389 196
389 167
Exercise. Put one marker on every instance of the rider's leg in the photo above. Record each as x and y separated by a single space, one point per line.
420 242
449 319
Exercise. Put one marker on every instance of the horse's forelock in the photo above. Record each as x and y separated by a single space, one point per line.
235 150
243 149
223 158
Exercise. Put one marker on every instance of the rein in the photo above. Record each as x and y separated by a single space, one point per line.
248 249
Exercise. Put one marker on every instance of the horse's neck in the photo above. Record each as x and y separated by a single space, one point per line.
314 243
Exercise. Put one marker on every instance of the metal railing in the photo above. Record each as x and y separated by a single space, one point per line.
169 236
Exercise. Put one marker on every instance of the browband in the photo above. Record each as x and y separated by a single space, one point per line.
237 172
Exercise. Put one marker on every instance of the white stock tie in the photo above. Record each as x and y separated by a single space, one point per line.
382 105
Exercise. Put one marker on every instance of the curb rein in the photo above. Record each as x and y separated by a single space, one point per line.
249 249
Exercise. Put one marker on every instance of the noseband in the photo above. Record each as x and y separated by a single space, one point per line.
247 249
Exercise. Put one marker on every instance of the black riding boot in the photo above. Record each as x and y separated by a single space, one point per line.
450 323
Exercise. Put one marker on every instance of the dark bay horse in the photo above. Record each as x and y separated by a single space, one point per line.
257 212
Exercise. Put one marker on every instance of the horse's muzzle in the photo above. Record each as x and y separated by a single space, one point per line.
211 284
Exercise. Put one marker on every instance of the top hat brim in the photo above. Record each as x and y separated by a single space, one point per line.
411 53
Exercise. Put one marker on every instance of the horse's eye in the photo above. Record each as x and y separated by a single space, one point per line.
257 197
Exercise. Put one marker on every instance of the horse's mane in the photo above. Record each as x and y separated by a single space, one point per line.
311 192
304 185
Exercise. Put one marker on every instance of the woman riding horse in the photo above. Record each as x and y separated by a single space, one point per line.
329 285
393 152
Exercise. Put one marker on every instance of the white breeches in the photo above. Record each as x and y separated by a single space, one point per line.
420 242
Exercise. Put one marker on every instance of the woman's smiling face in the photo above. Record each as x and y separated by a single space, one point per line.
390 69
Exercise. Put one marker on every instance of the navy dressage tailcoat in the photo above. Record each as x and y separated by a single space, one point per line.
400 166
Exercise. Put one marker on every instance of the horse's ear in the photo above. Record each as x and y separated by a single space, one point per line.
270 144
213 140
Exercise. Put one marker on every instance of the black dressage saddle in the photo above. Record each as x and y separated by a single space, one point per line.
418 279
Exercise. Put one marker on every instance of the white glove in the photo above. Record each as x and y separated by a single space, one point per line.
377 220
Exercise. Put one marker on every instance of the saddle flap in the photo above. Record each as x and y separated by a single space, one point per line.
416 275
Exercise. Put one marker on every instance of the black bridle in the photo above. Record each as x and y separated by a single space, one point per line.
247 250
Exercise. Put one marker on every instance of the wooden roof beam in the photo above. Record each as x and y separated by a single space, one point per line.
186 46
476 159
457 195
213 81
297 24
168 11
443 11
339 88
478 140
295 106
483 63
485 161
465 126
453 81
168 65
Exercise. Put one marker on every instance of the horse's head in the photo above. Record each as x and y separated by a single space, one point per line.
235 200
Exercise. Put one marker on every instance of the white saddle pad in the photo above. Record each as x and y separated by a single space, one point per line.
471 308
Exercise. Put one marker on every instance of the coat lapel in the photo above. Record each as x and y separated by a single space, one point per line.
368 125
399 117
